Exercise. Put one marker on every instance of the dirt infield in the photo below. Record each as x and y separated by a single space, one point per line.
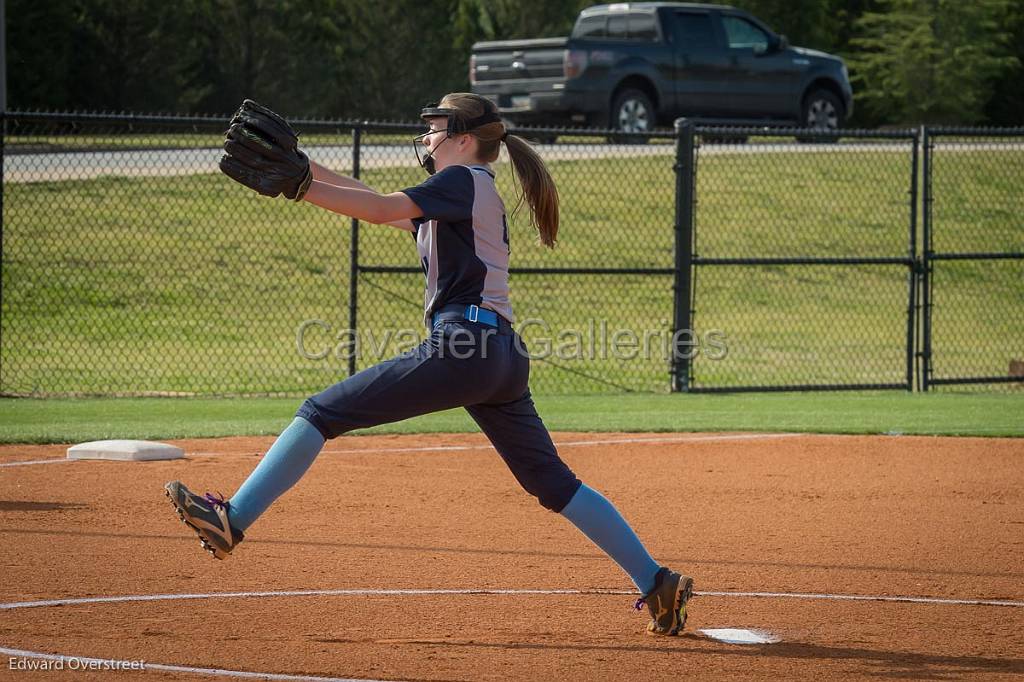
826 517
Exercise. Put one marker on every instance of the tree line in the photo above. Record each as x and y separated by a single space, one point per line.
911 61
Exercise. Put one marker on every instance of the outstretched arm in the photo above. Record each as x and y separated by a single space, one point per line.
262 154
324 174
389 209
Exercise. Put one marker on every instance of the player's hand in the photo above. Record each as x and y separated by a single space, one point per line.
270 125
262 153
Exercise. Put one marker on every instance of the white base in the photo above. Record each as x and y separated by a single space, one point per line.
740 636
125 450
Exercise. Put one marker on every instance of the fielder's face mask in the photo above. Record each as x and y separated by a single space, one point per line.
453 126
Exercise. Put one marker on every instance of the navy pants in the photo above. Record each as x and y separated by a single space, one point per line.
461 364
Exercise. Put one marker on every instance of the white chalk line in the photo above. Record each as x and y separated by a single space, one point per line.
221 672
37 461
290 593
865 597
488 446
371 592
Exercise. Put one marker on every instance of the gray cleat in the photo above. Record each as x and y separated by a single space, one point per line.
207 516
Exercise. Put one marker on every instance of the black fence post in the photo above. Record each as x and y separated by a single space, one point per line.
913 269
3 152
926 261
683 266
353 268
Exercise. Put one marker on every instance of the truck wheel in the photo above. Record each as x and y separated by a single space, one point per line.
632 112
822 111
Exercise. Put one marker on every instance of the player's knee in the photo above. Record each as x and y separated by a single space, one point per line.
310 411
554 494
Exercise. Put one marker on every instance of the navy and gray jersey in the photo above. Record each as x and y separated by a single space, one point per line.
462 239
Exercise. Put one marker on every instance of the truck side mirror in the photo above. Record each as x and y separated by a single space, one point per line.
776 43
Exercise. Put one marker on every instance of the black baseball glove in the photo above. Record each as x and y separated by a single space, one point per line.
263 154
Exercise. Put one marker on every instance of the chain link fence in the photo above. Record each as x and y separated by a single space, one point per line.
973 265
131 266
803 257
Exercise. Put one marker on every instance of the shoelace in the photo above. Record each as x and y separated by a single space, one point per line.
216 500
639 605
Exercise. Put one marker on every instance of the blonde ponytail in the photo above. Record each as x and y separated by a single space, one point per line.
538 188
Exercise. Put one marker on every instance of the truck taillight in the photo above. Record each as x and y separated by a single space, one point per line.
472 69
574 62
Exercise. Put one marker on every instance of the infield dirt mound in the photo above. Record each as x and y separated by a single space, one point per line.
935 517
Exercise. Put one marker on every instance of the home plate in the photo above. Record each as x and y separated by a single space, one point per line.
125 450
740 636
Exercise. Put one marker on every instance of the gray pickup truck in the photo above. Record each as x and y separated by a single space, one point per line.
634 66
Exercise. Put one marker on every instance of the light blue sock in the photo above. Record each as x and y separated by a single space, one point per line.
281 468
599 520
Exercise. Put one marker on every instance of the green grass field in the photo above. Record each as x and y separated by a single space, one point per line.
193 285
80 420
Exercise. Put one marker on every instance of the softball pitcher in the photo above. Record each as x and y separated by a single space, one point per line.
472 358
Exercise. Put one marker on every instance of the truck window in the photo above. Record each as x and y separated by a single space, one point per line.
618 27
590 27
693 31
642 27
743 34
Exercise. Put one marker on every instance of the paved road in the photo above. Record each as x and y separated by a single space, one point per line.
165 162
169 162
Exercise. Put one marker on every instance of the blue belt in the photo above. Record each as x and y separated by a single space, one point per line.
472 313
